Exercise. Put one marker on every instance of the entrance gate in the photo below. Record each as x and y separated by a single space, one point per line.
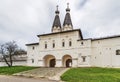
49 61
67 61
52 63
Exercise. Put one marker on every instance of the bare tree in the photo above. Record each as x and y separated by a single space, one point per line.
8 50
20 51
3 53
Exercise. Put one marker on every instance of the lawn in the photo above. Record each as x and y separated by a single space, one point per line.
92 75
14 69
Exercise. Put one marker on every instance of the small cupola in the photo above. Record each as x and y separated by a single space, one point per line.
56 27
67 24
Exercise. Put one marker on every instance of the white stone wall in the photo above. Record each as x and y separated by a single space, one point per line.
15 63
33 55
101 53
104 52
84 50
40 52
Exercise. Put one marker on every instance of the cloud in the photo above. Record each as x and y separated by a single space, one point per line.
22 20
99 18
81 3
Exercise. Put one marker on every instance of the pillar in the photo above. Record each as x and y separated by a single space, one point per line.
58 63
74 62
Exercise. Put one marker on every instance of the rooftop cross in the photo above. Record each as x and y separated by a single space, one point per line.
68 9
57 11
57 7
67 5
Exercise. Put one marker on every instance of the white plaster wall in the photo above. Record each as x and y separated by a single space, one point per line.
15 63
58 55
101 53
33 54
84 49
74 36
39 52
104 52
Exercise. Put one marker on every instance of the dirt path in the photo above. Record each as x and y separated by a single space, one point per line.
49 73
21 79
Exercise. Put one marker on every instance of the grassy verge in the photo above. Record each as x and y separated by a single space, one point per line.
91 75
14 69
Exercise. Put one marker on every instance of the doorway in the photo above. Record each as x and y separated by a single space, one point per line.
52 63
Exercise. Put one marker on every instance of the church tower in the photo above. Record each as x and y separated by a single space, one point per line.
56 24
67 25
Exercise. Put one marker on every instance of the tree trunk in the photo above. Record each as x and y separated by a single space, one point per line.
11 62
6 61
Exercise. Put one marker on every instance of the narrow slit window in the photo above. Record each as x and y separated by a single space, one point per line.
53 45
32 60
63 44
45 45
70 43
33 47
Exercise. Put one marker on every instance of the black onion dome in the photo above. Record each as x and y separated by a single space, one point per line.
56 22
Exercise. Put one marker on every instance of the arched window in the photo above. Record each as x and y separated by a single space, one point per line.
70 42
63 43
45 45
117 52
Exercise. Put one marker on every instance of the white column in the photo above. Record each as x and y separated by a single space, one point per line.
88 60
75 62
41 63
58 63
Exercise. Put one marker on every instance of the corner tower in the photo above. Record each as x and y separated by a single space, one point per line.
67 24
56 24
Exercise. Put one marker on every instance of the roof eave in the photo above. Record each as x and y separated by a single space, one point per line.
61 32
32 44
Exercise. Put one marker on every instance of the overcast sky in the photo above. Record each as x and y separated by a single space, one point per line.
22 20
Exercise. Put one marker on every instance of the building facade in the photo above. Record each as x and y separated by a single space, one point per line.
66 47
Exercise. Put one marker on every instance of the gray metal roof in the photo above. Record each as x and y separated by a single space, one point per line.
32 44
67 20
56 22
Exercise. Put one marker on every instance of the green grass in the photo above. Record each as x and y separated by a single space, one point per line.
14 69
92 75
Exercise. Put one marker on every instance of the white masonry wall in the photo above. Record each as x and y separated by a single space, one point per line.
33 55
15 63
104 52
100 53
59 51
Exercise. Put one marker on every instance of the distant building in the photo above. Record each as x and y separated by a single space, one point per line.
18 60
66 47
